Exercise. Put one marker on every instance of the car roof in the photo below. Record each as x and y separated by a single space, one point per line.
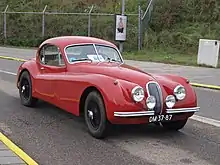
64 41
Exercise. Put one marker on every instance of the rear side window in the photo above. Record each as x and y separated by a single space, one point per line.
51 55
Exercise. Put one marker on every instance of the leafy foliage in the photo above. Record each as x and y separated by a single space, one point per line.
176 26
179 24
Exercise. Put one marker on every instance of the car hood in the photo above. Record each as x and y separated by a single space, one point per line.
115 70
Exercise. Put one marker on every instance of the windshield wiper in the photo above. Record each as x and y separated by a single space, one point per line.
83 59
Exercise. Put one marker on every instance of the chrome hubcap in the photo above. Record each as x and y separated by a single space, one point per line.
93 114
23 89
90 113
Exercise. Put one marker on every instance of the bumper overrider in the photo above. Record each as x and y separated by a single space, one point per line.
152 113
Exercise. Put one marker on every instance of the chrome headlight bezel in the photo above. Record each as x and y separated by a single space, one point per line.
137 93
170 101
151 102
179 92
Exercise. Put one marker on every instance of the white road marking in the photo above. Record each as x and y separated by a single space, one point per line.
7 72
206 120
201 119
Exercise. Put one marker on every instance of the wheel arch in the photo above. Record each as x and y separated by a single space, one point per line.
84 95
19 76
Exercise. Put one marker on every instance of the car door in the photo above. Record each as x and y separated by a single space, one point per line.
50 66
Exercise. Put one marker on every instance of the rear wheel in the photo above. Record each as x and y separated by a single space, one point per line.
174 125
95 115
25 90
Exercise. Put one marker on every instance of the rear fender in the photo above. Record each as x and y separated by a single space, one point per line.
29 66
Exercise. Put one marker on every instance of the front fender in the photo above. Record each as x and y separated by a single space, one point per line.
169 82
116 94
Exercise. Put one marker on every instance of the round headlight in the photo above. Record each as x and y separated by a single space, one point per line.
170 101
180 92
151 102
137 93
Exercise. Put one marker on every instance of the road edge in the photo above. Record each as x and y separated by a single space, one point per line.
18 151
215 87
12 58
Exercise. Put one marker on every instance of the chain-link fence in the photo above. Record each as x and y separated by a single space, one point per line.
29 28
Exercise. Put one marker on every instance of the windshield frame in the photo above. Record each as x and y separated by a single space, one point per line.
94 45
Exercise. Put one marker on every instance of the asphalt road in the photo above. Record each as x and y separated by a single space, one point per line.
54 137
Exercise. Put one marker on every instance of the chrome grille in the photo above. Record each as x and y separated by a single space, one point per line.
153 89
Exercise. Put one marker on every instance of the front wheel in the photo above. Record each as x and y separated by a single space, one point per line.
25 90
174 125
95 115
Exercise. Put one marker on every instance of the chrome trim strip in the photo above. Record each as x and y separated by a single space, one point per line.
96 51
183 110
133 114
151 113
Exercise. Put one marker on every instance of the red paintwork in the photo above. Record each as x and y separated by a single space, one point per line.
64 87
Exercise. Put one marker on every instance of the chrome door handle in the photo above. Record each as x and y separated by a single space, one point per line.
42 68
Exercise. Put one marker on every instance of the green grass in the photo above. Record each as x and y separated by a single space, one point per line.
163 57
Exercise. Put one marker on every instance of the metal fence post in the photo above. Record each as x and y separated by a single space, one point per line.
43 21
89 21
5 22
139 27
145 20
122 13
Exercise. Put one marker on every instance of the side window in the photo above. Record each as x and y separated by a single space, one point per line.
51 55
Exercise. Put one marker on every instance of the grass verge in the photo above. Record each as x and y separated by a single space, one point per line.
163 57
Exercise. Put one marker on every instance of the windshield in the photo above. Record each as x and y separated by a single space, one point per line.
96 53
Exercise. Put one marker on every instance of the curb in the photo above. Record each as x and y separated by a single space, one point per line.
193 84
206 86
27 159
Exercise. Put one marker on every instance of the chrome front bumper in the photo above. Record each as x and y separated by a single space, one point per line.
151 113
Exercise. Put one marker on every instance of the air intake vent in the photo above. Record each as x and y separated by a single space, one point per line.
154 89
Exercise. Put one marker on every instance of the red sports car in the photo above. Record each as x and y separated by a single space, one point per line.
87 77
